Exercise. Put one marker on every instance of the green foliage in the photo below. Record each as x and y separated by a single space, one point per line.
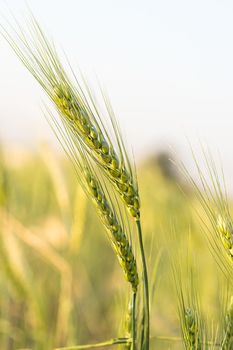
83 284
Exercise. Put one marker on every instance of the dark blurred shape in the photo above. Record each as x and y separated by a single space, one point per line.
164 161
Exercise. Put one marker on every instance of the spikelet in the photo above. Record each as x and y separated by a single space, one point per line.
225 229
78 109
227 343
191 330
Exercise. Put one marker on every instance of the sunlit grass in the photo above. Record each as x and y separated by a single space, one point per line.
53 288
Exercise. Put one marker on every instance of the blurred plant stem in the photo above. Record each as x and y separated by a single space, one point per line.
119 341
116 341
146 288
134 335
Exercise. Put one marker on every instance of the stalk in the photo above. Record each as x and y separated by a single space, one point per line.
146 286
134 335
110 342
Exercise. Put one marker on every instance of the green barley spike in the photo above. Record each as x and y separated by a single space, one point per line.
192 330
118 238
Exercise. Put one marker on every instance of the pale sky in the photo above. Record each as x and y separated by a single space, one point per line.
167 66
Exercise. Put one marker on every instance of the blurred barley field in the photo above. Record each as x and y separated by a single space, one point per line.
60 281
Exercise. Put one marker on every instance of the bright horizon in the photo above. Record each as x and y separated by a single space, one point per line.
167 66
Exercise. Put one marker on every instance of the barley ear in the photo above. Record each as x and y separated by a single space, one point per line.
215 219
76 105
106 206
191 330
225 229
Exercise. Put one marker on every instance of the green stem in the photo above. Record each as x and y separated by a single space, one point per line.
146 287
179 339
119 341
167 338
110 342
134 322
